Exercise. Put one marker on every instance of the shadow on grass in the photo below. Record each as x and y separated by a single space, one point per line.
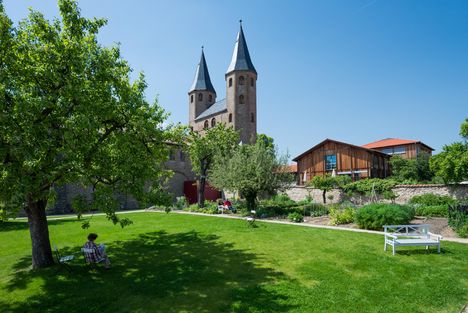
156 272
23 224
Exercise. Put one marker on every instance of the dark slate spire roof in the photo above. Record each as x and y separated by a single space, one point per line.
202 79
240 57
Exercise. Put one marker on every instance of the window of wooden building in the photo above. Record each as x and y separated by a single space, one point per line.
330 162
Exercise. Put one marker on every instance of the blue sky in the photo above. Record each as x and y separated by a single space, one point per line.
355 71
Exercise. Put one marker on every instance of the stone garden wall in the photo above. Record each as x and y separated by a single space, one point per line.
403 193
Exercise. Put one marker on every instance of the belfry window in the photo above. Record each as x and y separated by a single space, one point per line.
230 82
252 117
230 117
241 80
205 126
241 99
211 98
191 99
251 82
200 97
213 122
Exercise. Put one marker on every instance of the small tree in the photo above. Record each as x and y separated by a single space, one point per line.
251 169
327 183
452 163
203 148
416 170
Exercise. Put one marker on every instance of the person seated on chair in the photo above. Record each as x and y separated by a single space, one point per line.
228 206
99 254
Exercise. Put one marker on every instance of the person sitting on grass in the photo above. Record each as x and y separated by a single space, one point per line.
98 255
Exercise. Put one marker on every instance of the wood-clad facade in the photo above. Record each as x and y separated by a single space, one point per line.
346 159
408 151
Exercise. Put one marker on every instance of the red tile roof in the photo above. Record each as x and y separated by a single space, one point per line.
391 142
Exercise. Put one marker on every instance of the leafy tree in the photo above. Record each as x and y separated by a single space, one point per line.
203 148
267 141
250 170
416 170
69 114
452 163
327 183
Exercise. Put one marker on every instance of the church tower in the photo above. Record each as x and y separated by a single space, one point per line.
241 91
202 93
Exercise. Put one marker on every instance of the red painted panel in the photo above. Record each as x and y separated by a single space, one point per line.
190 192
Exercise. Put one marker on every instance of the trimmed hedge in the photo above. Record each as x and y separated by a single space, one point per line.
432 199
374 216
432 210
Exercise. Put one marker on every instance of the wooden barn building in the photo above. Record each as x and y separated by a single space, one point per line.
340 158
407 149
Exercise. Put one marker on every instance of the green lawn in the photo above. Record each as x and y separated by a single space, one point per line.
183 263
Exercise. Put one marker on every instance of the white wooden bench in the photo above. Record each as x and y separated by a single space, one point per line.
410 235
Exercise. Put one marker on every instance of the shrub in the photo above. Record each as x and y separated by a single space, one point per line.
281 200
295 217
432 199
181 203
315 209
431 210
341 216
210 208
458 219
374 216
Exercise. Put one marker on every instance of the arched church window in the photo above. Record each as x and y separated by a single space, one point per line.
213 122
211 98
241 99
252 117
230 82
230 117
251 82
241 80
200 97
205 126
191 99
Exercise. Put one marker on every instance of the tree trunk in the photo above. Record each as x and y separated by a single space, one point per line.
39 231
324 196
201 192
202 184
250 199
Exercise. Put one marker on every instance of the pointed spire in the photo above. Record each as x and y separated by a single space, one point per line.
202 79
240 57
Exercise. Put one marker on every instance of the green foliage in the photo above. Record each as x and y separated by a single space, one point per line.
374 216
250 170
181 203
295 217
365 187
209 208
432 199
314 209
452 163
411 170
280 200
69 113
218 142
340 215
464 129
328 182
458 219
432 210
